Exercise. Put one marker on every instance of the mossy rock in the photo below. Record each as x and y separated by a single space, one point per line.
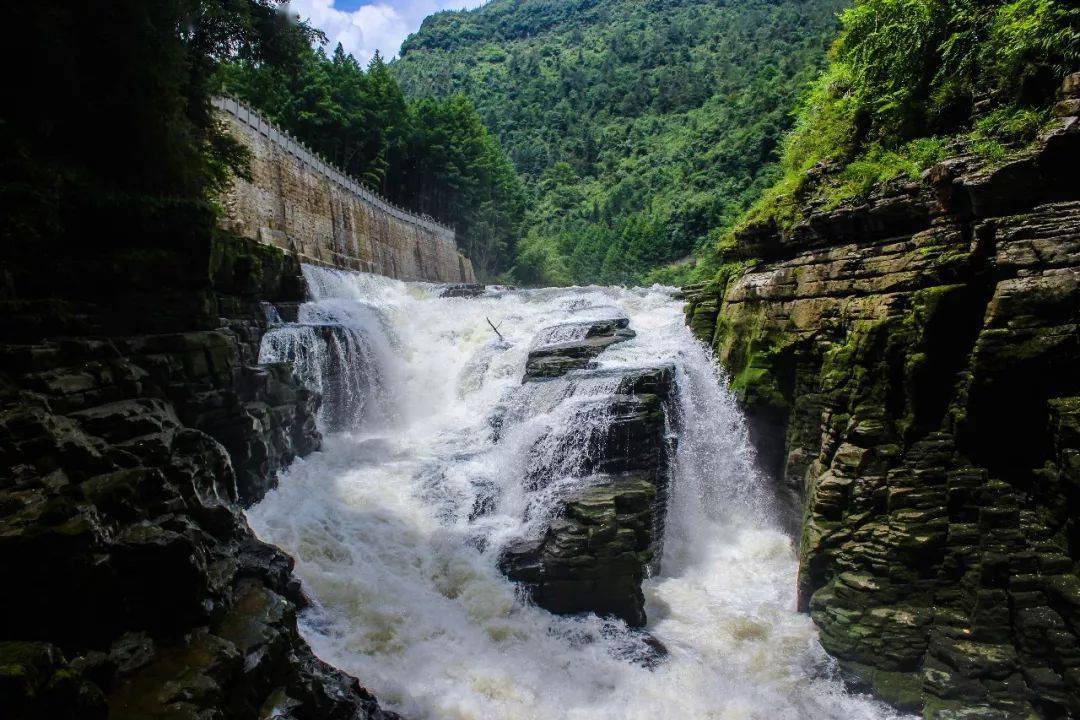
902 690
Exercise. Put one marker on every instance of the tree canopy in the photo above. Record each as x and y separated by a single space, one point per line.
118 94
110 146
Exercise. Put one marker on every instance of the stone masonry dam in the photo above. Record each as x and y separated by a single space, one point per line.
302 204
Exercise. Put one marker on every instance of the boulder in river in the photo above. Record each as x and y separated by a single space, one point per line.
593 558
463 290
590 339
607 531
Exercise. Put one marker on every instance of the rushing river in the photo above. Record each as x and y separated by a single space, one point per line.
401 567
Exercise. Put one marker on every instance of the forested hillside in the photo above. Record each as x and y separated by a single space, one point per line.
640 127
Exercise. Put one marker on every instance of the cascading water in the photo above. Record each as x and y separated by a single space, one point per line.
397 524
340 347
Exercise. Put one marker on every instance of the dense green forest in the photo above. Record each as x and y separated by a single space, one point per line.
432 156
976 76
114 117
641 129
569 141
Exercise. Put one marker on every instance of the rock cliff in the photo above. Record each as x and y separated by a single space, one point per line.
910 368
134 424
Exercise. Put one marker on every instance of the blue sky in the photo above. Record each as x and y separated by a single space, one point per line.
362 26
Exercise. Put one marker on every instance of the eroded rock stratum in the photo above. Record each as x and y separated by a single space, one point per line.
910 371
135 423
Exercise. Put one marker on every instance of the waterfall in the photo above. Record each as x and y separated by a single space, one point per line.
341 347
445 457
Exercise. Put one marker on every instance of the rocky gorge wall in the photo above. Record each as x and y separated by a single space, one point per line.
135 423
910 368
300 203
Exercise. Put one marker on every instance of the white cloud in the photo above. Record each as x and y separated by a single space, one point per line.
368 26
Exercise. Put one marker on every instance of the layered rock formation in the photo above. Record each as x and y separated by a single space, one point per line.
557 359
131 433
607 532
910 370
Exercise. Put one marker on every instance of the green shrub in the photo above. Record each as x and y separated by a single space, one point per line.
1010 125
899 90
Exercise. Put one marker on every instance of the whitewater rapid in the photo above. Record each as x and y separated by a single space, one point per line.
401 567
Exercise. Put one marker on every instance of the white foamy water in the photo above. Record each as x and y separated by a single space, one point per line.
396 525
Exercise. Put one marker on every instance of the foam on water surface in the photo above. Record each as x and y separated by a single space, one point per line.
396 525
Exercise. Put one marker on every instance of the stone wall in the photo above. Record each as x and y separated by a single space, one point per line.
911 368
300 203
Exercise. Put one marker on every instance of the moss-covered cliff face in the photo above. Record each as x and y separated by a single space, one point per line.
134 424
910 367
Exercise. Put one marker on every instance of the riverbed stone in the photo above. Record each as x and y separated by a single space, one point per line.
594 557
463 290
606 535
557 359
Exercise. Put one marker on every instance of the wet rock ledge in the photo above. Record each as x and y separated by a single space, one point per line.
606 535
557 359
132 431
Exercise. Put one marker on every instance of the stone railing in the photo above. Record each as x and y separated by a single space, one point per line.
302 203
